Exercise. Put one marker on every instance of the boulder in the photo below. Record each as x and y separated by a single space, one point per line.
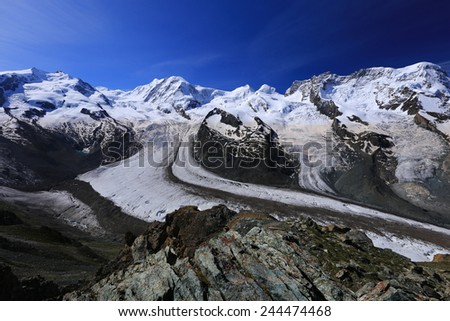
441 258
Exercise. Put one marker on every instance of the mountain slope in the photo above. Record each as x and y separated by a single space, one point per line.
53 127
392 121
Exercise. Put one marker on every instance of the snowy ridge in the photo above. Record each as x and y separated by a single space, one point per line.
160 98
50 99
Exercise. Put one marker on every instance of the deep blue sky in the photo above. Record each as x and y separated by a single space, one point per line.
221 44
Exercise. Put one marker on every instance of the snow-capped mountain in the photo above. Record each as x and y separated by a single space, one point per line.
53 126
161 96
397 117
379 136
246 153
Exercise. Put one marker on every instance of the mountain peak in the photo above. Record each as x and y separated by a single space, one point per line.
35 71
266 89
425 65
26 72
175 79
167 80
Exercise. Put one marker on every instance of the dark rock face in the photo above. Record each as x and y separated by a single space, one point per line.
251 256
33 112
49 158
411 105
225 118
406 100
47 106
189 227
9 218
52 156
11 83
84 88
424 123
96 115
326 107
429 125
358 120
2 98
254 155
370 172
370 147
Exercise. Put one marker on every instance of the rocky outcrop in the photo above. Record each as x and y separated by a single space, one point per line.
441 258
251 256
423 122
246 154
325 107
370 168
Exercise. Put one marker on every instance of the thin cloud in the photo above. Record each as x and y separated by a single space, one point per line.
29 23
193 61
175 66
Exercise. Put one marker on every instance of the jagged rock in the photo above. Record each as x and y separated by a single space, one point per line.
129 238
424 123
243 153
343 275
325 107
138 249
37 288
357 238
258 258
332 228
188 227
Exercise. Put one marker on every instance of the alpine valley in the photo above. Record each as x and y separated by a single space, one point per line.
336 189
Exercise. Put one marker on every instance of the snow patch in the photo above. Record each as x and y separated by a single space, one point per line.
64 207
416 250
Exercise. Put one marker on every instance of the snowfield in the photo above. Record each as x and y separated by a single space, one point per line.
142 188
416 250
65 207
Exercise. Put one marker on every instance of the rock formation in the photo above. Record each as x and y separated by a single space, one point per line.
218 254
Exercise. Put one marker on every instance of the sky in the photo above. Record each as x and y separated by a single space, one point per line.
220 44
